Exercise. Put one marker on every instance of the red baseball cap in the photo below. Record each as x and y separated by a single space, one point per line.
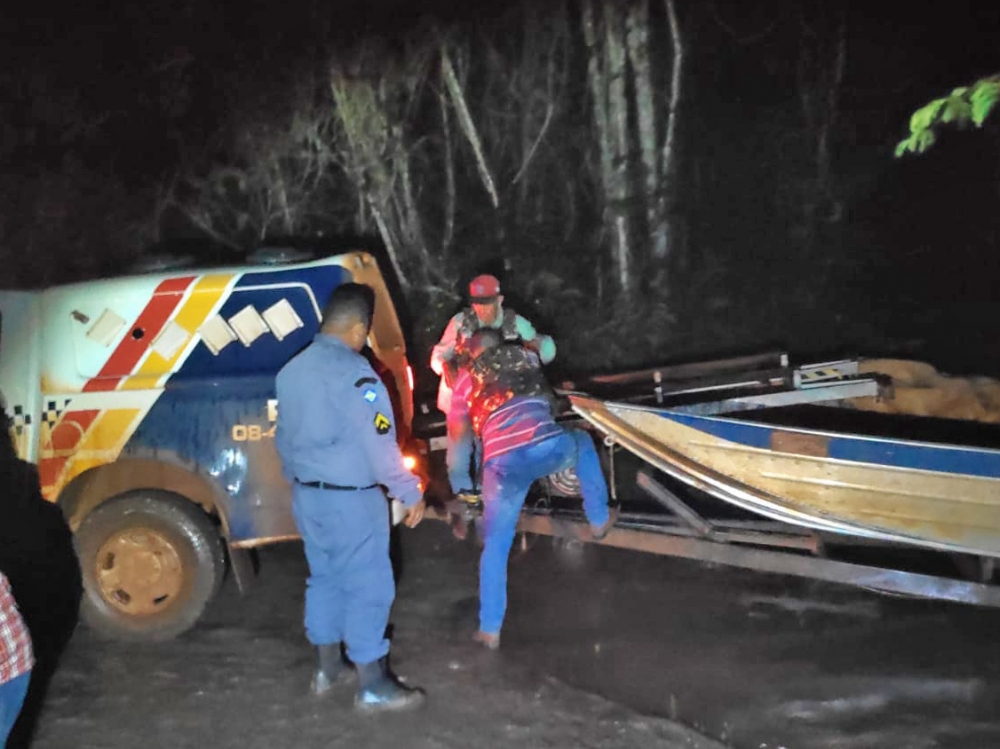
484 289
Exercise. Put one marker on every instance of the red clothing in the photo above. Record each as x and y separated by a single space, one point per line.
16 657
521 421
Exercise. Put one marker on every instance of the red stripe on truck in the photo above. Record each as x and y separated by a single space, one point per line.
145 328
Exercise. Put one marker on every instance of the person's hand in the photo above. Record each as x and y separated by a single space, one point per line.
415 515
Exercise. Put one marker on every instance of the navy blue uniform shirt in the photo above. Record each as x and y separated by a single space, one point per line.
335 422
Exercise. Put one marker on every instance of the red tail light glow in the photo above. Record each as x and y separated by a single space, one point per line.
409 377
409 462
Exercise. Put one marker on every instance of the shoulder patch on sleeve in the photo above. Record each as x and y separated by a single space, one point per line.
366 381
382 423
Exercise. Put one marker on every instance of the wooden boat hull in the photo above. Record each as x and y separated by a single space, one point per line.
933 495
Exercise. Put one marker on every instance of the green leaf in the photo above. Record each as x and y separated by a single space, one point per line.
924 140
984 98
907 145
924 117
956 110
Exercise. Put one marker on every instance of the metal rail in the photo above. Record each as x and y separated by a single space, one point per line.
688 371
764 546
765 560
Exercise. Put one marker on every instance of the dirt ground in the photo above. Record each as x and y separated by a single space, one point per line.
602 648
240 679
760 661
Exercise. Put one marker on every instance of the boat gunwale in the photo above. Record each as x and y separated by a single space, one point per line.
730 490
805 430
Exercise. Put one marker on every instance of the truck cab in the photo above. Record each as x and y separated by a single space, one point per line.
147 404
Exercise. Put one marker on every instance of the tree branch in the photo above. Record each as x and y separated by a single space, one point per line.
468 127
449 176
549 110
677 42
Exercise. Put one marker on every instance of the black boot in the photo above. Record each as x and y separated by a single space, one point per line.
331 670
381 690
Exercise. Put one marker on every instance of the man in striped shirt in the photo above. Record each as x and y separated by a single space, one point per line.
504 394
16 660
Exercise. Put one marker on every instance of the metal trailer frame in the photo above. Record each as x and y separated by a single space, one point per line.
764 546
738 384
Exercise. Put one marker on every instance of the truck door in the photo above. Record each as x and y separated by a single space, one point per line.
20 345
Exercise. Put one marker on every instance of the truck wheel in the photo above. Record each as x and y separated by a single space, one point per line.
151 562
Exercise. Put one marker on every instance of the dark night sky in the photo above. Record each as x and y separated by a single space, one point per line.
106 50
107 57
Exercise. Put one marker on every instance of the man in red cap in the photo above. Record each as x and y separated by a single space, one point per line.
451 352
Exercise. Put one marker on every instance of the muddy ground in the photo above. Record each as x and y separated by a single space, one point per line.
602 648
240 679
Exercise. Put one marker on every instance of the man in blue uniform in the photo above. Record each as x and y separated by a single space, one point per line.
449 354
338 447
503 393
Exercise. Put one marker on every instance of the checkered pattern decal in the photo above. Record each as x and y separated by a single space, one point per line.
20 420
53 410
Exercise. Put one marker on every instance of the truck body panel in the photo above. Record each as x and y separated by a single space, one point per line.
167 378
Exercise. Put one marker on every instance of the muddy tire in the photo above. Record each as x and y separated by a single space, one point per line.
151 562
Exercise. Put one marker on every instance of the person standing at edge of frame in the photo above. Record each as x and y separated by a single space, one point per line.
450 354
16 660
338 448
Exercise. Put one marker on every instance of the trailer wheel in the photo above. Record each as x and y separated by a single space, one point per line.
564 483
151 562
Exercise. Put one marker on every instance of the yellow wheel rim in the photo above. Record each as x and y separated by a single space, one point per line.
139 571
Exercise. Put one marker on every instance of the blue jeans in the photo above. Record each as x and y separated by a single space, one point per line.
463 448
506 480
350 588
11 698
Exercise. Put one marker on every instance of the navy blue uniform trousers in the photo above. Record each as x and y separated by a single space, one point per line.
350 588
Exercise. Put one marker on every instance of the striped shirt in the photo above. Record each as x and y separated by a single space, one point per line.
523 420
16 657
518 422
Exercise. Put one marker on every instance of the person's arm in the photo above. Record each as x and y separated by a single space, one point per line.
282 432
542 344
445 348
369 412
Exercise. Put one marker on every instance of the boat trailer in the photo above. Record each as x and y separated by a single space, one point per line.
727 386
